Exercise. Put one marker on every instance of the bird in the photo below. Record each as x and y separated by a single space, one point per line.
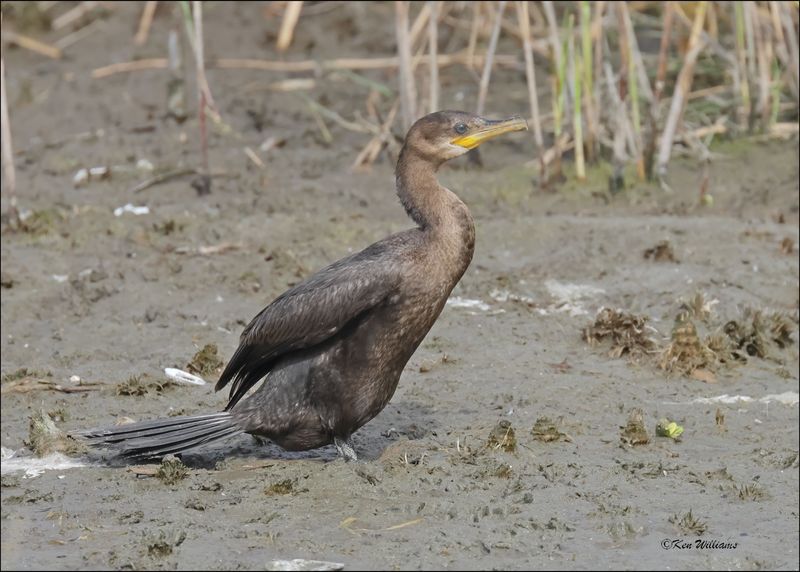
331 349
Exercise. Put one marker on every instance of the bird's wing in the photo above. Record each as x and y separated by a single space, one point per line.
308 314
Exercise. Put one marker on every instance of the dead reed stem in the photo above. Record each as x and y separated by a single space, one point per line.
7 149
488 64
433 41
588 79
682 87
408 92
661 74
290 17
791 42
530 74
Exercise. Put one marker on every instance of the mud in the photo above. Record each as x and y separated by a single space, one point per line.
91 301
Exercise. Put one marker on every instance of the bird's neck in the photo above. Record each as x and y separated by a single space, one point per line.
435 209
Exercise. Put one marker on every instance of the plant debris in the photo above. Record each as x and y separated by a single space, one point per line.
661 252
667 428
698 308
627 333
502 437
686 352
163 545
751 492
171 470
284 487
45 438
139 385
688 524
635 433
206 361
545 430
755 332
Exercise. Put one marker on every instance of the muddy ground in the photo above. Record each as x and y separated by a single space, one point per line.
89 294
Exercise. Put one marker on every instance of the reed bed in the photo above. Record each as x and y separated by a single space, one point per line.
622 80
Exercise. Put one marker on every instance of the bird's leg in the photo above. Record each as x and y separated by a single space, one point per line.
346 449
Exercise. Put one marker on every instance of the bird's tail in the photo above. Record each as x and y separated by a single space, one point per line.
162 436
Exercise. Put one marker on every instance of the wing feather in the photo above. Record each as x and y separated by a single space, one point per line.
307 315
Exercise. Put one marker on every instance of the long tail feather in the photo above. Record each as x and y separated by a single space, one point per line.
162 436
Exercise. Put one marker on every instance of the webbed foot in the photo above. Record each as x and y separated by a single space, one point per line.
345 448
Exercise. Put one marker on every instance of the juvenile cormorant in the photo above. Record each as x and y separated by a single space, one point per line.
332 348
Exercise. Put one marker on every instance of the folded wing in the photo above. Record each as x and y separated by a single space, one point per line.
307 315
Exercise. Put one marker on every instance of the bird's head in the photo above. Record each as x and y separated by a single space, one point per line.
444 135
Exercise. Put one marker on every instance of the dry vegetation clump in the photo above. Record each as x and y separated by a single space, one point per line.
139 385
206 361
171 470
45 438
546 430
502 437
661 252
628 333
689 352
634 432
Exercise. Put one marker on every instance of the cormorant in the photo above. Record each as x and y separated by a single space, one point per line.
332 348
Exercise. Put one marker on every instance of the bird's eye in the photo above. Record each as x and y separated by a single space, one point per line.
460 128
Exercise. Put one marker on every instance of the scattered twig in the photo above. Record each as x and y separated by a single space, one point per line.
253 157
162 178
73 15
127 67
76 36
290 17
32 44
145 22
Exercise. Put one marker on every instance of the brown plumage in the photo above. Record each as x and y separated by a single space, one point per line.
333 347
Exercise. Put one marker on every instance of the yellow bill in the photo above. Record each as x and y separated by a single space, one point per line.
490 130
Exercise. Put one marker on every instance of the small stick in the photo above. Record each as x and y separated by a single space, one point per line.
127 67
682 88
73 15
162 178
433 40
408 92
7 149
76 36
145 22
253 157
290 17
487 64
31 44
